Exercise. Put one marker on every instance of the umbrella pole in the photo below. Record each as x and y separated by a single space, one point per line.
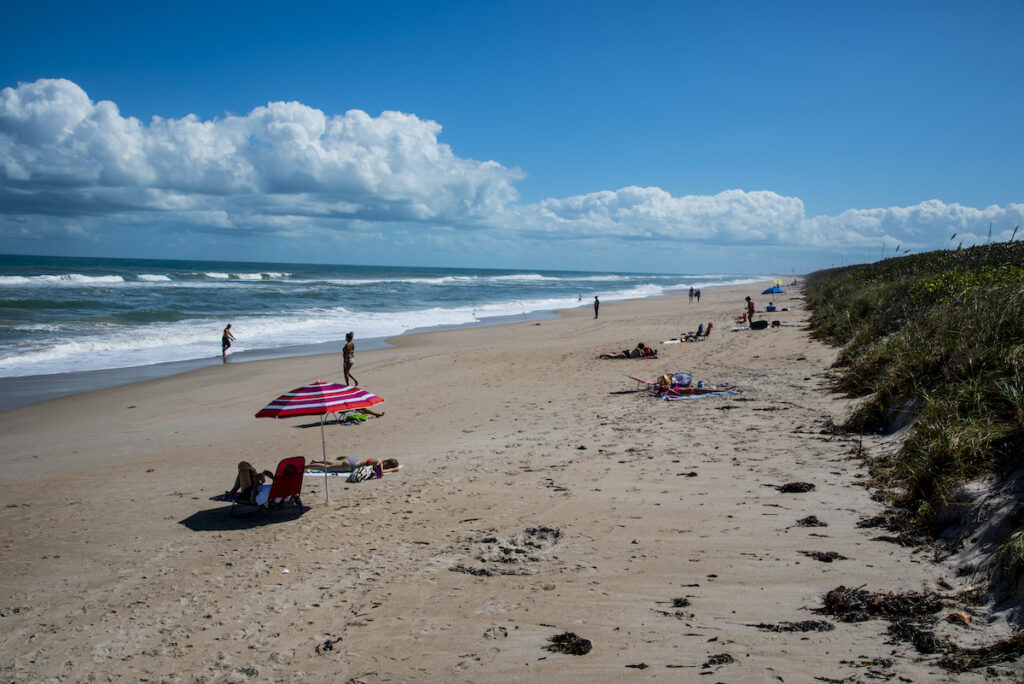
323 442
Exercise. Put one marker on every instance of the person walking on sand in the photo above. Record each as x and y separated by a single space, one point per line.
597 305
750 310
697 295
349 355
225 340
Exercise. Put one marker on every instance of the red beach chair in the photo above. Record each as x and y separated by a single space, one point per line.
283 492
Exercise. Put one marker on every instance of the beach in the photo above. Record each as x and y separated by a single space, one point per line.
540 495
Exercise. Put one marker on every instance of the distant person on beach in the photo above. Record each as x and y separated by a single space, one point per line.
225 340
697 295
750 310
691 294
597 305
349 355
640 351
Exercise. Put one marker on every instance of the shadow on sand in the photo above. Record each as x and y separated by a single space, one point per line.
220 519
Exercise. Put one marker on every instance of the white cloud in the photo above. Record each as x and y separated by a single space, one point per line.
71 166
732 215
55 142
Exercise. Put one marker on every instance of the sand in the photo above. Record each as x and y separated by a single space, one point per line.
539 496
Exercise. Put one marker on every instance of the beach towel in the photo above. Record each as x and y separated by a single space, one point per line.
696 393
345 473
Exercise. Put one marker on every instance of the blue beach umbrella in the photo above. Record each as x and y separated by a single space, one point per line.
774 290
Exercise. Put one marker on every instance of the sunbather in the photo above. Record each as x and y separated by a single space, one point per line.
247 481
350 463
639 351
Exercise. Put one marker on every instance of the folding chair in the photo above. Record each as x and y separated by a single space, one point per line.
283 492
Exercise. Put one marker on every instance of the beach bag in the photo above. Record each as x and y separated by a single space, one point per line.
361 473
758 325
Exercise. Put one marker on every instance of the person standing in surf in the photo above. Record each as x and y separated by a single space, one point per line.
349 355
225 340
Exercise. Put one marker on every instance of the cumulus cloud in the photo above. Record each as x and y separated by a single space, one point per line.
72 166
59 146
733 215
736 217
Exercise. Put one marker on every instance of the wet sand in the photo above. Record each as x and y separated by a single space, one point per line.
540 496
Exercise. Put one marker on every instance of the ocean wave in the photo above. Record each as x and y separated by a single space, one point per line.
222 275
153 278
61 279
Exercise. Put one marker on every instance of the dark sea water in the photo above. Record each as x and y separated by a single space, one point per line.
62 315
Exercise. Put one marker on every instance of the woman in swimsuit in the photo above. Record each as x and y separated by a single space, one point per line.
349 355
350 463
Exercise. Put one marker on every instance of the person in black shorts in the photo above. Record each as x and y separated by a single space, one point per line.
225 340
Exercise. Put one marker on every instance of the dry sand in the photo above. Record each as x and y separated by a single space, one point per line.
538 497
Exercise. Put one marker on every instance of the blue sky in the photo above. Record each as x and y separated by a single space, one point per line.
668 136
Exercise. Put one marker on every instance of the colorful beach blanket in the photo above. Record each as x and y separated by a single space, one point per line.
696 392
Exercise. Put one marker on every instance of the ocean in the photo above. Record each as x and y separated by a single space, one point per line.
67 315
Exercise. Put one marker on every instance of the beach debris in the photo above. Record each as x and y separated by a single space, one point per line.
910 617
959 617
327 645
964 659
676 603
793 487
875 668
568 643
802 626
811 521
924 640
639 666
824 556
720 659
902 539
873 521
858 605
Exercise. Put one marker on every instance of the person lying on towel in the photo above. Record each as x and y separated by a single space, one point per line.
347 465
641 350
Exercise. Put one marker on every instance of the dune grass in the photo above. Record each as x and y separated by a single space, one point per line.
939 338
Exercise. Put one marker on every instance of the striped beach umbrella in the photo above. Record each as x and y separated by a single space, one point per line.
319 399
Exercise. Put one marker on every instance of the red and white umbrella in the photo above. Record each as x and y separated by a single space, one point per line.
319 399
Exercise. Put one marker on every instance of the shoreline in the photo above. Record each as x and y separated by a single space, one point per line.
541 494
25 390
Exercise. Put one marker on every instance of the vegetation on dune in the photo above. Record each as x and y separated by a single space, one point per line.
935 340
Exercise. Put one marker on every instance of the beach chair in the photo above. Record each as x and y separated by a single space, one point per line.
282 493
